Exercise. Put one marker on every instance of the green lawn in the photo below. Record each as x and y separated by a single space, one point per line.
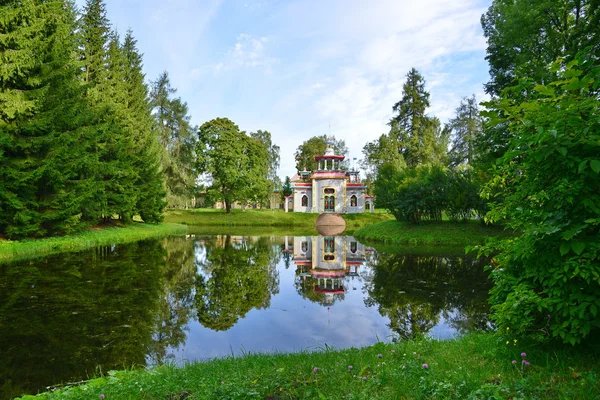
264 218
430 233
477 366
22 249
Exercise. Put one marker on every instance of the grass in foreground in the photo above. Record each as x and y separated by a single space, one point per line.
265 218
430 233
23 249
478 366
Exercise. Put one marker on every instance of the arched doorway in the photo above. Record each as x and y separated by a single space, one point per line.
368 206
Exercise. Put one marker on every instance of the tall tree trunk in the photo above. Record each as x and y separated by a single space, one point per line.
228 206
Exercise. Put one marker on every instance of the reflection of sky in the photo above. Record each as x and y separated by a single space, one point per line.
293 323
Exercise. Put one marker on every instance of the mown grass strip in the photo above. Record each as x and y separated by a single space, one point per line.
476 366
23 249
265 218
430 233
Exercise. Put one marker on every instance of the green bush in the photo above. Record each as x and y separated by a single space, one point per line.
547 281
424 193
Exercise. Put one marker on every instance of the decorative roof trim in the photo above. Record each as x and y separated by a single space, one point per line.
330 157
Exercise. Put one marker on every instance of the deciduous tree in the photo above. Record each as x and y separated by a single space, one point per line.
316 146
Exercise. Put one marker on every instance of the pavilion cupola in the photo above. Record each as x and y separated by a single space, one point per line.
329 161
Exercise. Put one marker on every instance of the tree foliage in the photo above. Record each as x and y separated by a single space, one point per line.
466 128
524 37
316 146
273 181
426 192
420 138
547 279
45 129
74 132
286 189
176 135
236 164
235 278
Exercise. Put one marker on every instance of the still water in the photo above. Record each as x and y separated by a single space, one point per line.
68 317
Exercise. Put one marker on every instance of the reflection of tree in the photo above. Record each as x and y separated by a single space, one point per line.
306 287
414 291
64 316
176 299
236 276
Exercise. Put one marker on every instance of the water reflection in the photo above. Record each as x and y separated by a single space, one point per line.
415 292
66 317
63 317
325 265
235 275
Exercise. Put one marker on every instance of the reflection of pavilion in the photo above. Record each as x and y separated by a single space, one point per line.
325 261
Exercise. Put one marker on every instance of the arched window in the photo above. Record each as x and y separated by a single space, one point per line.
353 247
368 206
304 247
305 201
353 201
329 191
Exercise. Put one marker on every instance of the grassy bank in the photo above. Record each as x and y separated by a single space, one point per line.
304 222
477 366
15 250
430 233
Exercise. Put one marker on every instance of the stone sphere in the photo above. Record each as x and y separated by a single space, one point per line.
330 224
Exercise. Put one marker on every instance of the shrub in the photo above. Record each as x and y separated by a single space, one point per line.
547 281
424 193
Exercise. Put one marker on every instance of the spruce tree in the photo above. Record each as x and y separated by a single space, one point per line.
139 122
421 139
43 121
105 81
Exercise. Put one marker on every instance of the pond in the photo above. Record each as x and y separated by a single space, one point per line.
72 316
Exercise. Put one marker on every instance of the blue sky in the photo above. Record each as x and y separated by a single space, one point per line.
295 67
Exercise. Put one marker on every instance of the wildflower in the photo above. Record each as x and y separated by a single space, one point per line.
364 378
414 353
507 342
404 355
222 382
101 396
349 367
393 351
523 355
526 363
315 369
507 328
515 340
514 361
425 366
379 355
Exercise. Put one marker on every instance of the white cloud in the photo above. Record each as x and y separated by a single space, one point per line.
302 64
248 51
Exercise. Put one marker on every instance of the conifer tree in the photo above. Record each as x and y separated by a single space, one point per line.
105 80
177 138
420 138
44 121
139 122
466 127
